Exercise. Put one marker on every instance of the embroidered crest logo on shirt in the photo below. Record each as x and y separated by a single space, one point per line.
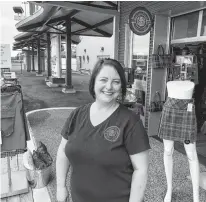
112 133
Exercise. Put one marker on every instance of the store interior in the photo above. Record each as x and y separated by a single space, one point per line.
194 71
197 51
185 35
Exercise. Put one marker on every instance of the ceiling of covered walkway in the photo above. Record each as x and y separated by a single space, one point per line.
88 18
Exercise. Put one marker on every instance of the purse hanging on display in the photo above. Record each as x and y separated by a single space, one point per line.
156 105
161 60
167 58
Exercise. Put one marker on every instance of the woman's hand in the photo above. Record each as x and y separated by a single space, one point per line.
62 194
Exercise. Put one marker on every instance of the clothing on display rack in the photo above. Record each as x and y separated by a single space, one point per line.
14 129
14 134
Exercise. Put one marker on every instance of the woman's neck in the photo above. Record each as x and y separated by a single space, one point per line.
105 106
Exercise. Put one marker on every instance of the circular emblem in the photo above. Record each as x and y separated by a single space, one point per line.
112 133
140 21
187 142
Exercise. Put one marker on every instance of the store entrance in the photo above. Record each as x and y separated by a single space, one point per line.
197 51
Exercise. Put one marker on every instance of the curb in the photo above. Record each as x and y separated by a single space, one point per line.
49 108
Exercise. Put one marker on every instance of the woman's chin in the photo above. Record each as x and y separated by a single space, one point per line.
107 99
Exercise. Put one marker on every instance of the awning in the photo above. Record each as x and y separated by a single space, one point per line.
26 38
87 19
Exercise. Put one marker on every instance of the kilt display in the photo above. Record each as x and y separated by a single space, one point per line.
176 122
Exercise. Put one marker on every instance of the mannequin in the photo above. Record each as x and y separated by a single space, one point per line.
180 89
180 92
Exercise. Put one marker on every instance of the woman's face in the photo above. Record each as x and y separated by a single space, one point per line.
107 85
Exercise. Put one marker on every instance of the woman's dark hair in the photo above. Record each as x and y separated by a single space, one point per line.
113 63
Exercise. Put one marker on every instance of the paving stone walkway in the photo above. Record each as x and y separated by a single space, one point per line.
47 124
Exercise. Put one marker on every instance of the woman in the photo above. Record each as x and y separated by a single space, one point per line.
105 143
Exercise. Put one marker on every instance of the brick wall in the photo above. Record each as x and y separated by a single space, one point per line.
125 9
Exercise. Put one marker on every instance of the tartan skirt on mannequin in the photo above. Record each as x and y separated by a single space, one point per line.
178 122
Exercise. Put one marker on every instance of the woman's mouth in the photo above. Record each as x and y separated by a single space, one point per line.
107 93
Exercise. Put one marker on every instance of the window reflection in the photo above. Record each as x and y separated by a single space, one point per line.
185 26
203 28
140 56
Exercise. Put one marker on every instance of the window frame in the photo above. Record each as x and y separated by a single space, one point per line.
198 38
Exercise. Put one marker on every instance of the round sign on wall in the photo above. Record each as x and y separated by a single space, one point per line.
140 21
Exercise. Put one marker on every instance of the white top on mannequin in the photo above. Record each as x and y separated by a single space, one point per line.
180 89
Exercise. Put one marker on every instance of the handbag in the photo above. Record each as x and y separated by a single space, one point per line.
161 60
156 105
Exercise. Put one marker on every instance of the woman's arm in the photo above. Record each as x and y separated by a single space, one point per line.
62 167
140 164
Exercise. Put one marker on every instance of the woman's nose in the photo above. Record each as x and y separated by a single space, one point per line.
108 85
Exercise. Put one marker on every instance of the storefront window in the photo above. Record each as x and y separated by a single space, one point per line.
140 53
203 28
185 26
140 56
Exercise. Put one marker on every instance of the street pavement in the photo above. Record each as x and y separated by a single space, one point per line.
37 95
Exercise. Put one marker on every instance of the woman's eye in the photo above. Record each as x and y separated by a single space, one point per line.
104 80
116 82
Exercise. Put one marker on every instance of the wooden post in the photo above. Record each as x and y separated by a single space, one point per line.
48 54
28 60
33 67
68 80
116 20
39 56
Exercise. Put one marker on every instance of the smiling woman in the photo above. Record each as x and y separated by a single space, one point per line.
107 85
108 78
104 140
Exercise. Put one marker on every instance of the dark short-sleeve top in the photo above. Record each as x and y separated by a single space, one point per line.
99 155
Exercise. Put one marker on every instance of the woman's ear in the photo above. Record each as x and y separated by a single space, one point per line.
119 97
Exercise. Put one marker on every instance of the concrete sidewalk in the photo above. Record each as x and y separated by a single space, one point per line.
38 95
45 126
